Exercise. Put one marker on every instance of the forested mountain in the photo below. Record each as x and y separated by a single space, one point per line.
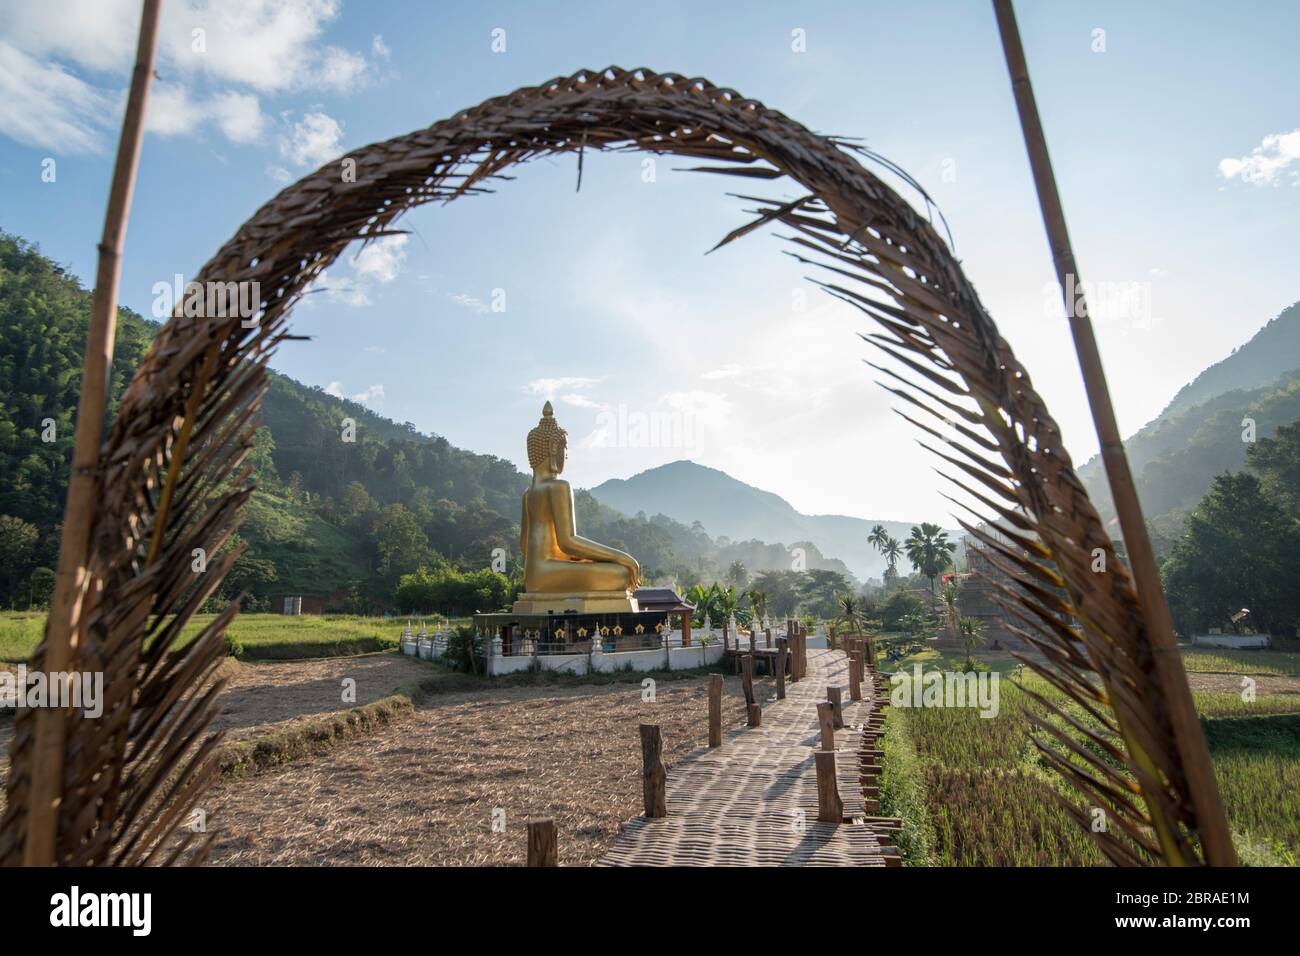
1272 352
1208 428
333 519
721 505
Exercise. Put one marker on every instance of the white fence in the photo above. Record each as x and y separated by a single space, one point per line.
600 661
424 645
1232 640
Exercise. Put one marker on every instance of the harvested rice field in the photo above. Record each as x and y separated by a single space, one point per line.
260 698
426 790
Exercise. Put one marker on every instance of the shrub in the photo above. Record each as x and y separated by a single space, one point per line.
465 651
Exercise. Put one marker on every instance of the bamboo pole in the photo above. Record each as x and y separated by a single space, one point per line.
1212 822
71 579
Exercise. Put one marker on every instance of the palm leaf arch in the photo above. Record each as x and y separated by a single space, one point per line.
173 476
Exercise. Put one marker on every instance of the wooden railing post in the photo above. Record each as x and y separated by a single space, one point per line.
837 707
654 774
747 680
782 652
755 714
542 849
830 808
855 676
826 721
715 710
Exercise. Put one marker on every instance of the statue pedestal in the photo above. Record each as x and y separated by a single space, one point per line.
580 602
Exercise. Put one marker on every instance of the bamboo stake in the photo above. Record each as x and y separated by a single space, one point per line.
1203 788
71 581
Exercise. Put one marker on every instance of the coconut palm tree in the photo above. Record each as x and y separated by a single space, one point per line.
929 550
892 551
878 537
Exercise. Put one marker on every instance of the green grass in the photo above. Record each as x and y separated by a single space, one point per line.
1254 663
932 659
902 790
20 632
259 636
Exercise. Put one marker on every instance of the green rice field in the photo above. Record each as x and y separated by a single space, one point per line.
253 636
976 792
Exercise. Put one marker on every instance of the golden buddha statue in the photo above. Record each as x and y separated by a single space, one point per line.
562 570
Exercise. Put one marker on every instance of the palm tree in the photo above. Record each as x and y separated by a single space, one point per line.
850 614
929 550
892 551
726 604
949 598
878 537
758 601
738 574
972 632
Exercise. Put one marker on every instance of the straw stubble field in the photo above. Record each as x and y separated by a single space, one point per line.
425 790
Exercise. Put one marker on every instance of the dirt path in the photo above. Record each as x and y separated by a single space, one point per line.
1231 683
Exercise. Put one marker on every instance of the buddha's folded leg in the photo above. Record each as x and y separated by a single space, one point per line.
575 576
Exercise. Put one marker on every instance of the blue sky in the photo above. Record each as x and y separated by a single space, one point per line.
1174 134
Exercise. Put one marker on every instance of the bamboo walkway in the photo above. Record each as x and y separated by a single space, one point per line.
754 800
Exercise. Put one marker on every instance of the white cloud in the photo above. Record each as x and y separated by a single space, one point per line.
170 111
279 174
473 303
341 70
344 293
239 116
381 259
314 141
550 386
213 59
42 104
581 401
1266 161
379 48
372 395
730 370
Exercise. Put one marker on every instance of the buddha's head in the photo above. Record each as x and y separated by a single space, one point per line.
547 443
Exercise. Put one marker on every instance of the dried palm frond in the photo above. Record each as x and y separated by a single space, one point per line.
195 396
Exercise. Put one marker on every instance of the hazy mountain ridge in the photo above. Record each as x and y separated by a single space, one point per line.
724 506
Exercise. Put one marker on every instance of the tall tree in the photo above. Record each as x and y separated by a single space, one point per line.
878 537
1277 462
1241 550
929 550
